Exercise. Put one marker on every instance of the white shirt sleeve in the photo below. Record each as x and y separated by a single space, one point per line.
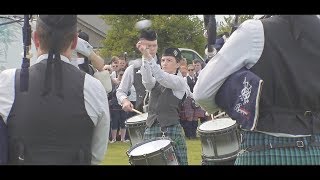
171 81
7 92
113 75
147 79
97 107
243 48
125 84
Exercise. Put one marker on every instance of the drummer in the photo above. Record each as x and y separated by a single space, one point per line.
132 76
167 90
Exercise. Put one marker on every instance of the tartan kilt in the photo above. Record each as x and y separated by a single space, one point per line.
199 112
307 155
175 133
187 110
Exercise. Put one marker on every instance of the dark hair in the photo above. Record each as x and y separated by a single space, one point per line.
174 52
83 36
148 34
197 61
114 59
121 57
56 31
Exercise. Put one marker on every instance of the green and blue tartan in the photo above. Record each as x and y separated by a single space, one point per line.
307 155
173 132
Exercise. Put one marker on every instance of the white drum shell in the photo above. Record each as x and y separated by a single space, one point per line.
136 126
157 151
220 138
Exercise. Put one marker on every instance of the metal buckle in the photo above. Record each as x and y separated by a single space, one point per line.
20 158
307 113
163 132
300 144
242 151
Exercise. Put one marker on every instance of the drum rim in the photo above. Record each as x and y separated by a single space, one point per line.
220 131
156 153
136 116
144 123
221 157
143 156
235 123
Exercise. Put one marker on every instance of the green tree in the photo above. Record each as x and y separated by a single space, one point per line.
226 26
173 30
8 34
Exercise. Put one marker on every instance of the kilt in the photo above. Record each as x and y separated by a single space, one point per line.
199 112
187 111
307 155
175 133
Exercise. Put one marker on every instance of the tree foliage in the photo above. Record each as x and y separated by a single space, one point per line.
228 23
173 31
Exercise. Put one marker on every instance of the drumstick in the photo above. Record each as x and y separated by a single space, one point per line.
219 115
136 111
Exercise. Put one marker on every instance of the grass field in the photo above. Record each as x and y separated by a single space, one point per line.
116 153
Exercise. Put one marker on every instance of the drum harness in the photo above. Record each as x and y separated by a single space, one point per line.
295 144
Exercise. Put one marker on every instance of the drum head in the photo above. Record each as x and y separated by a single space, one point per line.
149 147
137 118
217 124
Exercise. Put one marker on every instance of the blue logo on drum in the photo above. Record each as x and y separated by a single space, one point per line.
239 97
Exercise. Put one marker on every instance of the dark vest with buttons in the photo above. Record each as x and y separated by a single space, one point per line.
140 89
49 129
289 66
163 107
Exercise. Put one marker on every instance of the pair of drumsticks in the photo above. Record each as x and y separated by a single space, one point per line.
213 117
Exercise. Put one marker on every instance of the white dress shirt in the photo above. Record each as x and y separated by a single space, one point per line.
152 73
113 75
95 99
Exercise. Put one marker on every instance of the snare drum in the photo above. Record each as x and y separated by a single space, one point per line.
220 140
157 151
136 126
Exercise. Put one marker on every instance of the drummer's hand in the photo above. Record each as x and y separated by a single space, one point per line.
143 48
127 105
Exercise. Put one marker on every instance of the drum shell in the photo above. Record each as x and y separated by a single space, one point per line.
136 129
164 156
219 145
207 161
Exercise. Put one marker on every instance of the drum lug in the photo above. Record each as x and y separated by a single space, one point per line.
163 132
242 151
145 157
164 155
129 156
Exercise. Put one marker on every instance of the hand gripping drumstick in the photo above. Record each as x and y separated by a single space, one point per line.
136 111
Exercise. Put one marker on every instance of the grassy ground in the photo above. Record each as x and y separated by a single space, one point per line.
116 153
